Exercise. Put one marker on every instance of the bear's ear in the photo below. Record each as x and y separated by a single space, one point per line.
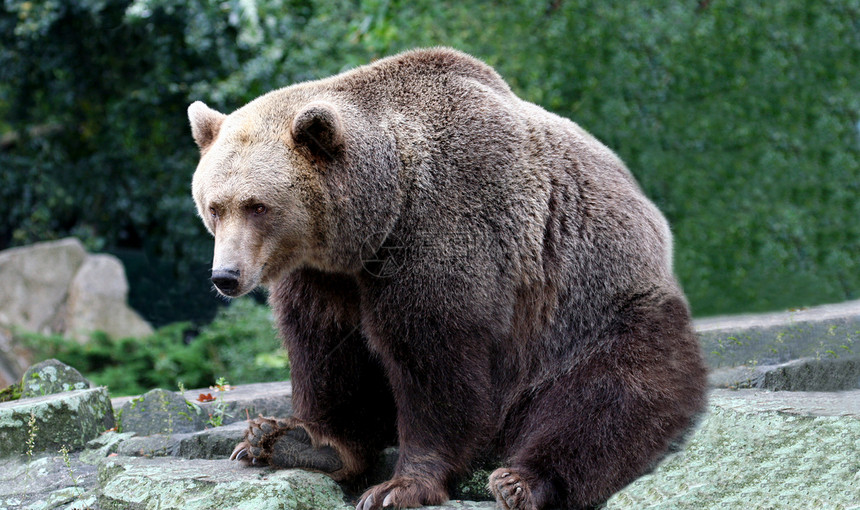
319 129
205 124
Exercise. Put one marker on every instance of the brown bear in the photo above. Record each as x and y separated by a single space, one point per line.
453 270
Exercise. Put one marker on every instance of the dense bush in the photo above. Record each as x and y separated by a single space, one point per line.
239 345
738 118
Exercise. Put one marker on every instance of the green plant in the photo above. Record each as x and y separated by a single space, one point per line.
165 408
117 414
219 408
230 345
193 407
64 452
32 428
216 417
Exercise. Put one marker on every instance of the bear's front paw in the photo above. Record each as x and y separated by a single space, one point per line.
284 444
402 492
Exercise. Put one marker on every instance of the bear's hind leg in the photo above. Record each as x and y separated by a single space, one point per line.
517 490
610 418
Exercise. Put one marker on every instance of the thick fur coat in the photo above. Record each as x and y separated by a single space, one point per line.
456 271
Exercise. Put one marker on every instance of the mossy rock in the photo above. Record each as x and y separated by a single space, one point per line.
51 376
161 412
52 422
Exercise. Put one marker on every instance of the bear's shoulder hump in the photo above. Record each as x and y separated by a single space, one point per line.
444 60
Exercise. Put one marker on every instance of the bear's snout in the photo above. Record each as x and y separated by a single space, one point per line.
226 280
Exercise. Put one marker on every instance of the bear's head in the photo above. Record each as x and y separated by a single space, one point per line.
290 181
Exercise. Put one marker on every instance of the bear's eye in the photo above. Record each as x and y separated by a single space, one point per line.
213 212
259 209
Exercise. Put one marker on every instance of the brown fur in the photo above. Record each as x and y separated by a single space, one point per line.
531 313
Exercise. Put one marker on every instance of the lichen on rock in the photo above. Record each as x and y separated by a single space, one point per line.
52 376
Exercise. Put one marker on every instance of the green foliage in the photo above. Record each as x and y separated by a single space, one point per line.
738 118
227 348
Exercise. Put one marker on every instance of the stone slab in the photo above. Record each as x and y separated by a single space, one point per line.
246 401
754 449
807 374
137 483
160 412
799 403
214 443
51 422
239 403
821 332
169 483
47 482
759 449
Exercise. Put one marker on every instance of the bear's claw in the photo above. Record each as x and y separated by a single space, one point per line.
240 454
510 490
284 444
402 492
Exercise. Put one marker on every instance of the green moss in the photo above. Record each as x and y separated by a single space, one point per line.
475 487
11 392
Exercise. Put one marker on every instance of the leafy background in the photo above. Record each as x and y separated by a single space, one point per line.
740 119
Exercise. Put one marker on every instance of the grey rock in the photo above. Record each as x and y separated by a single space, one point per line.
97 301
156 445
808 404
160 412
55 287
238 404
104 445
36 280
14 359
806 374
213 443
139 483
244 402
821 332
52 376
760 449
734 378
48 482
52 422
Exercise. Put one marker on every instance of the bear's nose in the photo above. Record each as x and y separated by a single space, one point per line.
226 280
